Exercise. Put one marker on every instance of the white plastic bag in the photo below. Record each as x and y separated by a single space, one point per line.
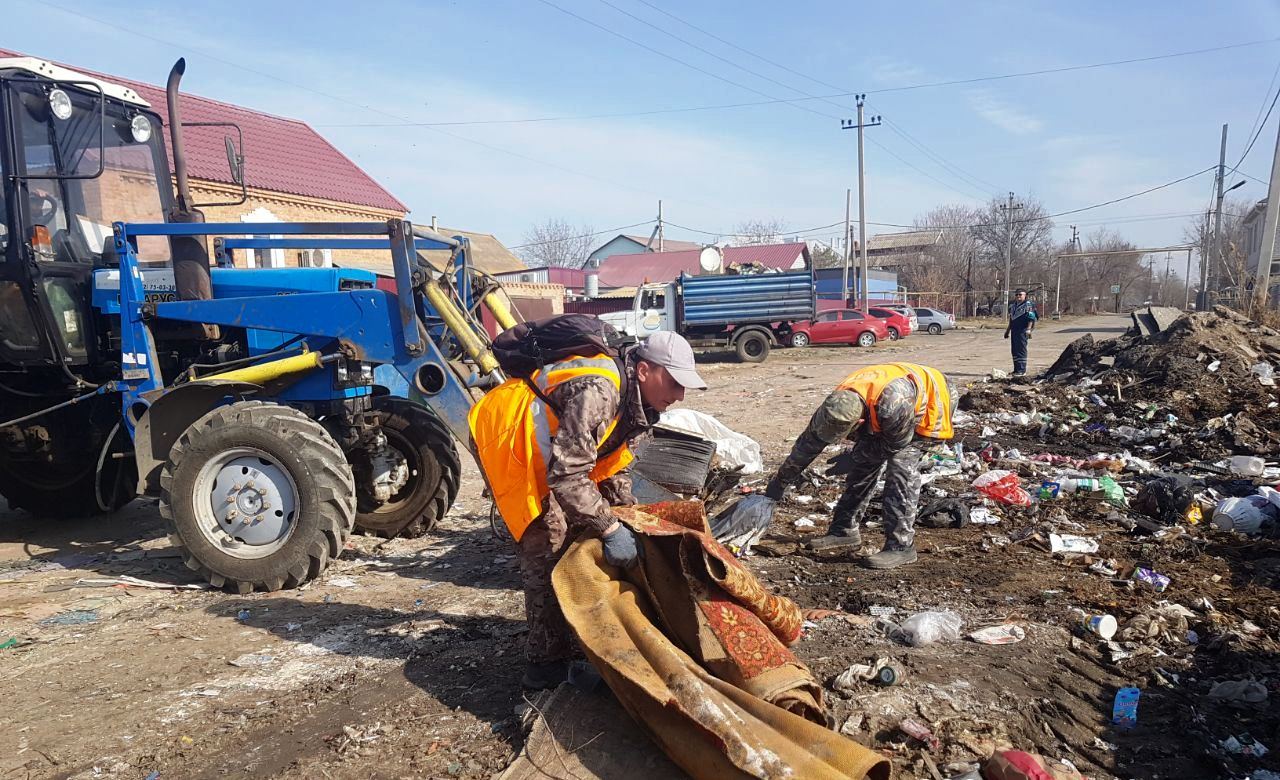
925 628
732 448
1265 373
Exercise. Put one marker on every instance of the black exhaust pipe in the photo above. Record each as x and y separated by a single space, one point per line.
191 273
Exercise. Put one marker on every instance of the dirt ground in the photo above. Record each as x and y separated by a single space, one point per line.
403 659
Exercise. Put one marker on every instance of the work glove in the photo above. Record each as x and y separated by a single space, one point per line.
1029 335
774 490
620 547
1006 334
840 464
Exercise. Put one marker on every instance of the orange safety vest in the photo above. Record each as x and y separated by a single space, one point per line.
933 401
512 429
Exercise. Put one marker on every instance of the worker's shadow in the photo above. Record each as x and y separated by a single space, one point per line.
466 661
477 557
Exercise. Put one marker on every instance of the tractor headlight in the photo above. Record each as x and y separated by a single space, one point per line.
141 128
60 104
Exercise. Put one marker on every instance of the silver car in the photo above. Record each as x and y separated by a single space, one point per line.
934 321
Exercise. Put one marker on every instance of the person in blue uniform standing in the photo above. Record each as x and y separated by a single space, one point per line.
1022 320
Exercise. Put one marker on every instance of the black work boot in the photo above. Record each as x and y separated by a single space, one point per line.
837 539
890 558
547 674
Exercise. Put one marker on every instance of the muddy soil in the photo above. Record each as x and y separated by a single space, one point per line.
403 659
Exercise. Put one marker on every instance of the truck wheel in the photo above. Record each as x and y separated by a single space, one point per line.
800 339
259 497
935 329
866 339
428 449
753 347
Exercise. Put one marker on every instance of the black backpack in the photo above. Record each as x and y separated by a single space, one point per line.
529 346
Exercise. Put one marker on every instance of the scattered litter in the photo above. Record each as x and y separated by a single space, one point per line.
1100 625
917 730
803 522
1002 486
243 615
1153 578
291 627
137 582
925 628
8 643
1244 745
1124 714
1068 543
881 611
1213 366
72 617
980 515
881 671
1239 691
733 449
344 582
1006 634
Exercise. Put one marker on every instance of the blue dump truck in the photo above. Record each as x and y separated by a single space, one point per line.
749 313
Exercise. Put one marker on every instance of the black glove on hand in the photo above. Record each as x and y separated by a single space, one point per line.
774 490
840 464
620 547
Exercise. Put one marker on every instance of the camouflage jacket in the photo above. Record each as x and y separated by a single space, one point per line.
587 405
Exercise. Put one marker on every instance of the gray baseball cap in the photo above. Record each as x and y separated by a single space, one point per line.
672 352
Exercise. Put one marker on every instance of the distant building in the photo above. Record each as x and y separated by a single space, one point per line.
636 269
622 244
572 279
1252 225
892 250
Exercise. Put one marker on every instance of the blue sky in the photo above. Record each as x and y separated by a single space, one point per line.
1069 139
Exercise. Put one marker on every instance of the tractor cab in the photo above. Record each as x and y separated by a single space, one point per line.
78 154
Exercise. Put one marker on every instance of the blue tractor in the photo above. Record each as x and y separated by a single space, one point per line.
271 411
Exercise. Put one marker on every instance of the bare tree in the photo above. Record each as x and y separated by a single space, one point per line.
1089 286
1032 233
1235 251
556 243
760 231
948 267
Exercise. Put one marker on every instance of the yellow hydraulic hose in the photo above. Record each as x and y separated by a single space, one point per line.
261 374
457 322
498 308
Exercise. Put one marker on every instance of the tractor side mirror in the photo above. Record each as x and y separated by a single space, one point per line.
236 161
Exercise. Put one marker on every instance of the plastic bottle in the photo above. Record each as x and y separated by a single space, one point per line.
1247 465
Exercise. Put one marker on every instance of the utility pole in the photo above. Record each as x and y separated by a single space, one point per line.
1008 251
1207 260
844 289
846 124
660 235
1268 249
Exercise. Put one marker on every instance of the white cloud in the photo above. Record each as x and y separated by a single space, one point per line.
888 71
1002 114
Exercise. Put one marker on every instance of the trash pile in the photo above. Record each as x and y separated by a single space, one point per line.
1203 388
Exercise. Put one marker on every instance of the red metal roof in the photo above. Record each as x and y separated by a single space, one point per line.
627 270
281 155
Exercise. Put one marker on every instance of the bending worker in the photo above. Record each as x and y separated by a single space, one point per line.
883 410
1022 320
557 459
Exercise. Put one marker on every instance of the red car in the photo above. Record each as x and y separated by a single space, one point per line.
899 325
840 326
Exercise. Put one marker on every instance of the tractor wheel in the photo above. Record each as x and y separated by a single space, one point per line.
259 497
753 347
866 339
75 488
935 329
428 449
800 339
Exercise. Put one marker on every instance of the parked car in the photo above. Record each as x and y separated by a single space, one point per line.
840 326
905 311
934 321
899 324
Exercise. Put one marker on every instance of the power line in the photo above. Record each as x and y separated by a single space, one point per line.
584 235
776 101
1253 140
402 122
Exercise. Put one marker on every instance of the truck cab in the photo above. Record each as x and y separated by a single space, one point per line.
652 309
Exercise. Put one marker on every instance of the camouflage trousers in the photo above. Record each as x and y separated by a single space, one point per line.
892 451
540 548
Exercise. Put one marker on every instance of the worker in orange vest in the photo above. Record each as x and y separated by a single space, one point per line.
884 410
554 451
